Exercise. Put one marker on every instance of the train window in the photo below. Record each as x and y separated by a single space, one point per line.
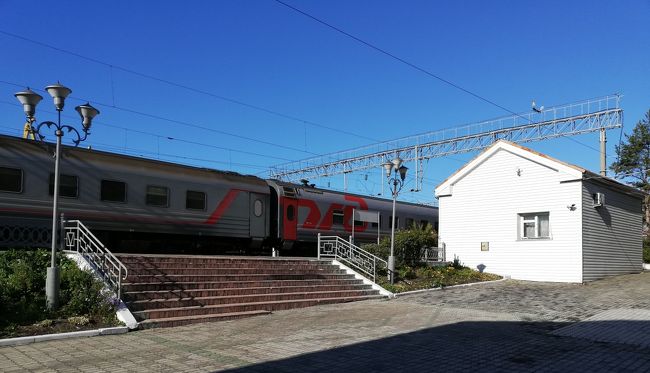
375 225
390 219
68 185
11 180
157 196
424 223
358 223
409 223
291 211
337 217
194 200
113 191
258 208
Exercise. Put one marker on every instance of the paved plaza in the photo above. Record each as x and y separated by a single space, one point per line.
503 326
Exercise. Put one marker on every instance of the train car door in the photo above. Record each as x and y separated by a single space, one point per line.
257 214
290 218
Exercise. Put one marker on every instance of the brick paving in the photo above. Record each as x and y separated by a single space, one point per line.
504 326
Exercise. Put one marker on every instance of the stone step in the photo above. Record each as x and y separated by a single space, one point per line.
200 293
233 277
217 265
144 305
244 307
186 320
232 271
193 259
179 286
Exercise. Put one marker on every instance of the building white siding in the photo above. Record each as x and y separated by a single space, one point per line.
484 205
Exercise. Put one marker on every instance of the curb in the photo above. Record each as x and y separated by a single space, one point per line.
51 337
397 295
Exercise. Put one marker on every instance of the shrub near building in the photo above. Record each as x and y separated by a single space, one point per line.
22 296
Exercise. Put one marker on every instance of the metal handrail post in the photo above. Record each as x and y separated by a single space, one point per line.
318 247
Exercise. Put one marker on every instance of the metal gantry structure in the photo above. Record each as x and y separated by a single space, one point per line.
598 114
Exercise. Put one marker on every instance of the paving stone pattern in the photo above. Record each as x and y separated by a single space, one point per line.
497 327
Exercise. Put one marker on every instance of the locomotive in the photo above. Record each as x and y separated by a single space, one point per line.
144 205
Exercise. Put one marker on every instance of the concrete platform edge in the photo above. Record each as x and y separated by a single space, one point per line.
449 287
18 341
366 281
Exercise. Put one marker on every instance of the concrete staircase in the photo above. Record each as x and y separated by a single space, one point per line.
173 290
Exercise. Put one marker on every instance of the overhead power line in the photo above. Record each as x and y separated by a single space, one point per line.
410 64
183 86
183 123
162 136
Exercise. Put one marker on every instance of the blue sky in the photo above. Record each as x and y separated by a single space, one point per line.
263 54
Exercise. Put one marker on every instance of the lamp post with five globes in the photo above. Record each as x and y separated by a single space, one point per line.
395 184
29 99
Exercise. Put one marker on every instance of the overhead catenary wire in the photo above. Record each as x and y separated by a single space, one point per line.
176 121
182 86
410 64
171 138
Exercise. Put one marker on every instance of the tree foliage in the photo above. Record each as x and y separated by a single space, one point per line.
633 162
408 244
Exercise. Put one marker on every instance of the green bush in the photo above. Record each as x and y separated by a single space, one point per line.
408 244
22 290
646 250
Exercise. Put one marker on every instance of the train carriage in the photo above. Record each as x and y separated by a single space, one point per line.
137 204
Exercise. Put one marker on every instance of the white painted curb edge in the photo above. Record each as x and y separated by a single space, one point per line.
349 270
50 337
451 287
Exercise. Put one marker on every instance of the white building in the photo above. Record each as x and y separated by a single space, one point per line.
515 212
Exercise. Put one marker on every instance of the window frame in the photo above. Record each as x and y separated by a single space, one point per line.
167 195
338 217
22 181
126 191
51 178
522 221
205 200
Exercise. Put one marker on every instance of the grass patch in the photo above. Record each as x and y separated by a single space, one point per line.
425 277
82 304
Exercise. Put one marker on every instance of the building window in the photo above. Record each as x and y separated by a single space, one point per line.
113 191
157 196
194 200
68 186
337 217
535 225
11 180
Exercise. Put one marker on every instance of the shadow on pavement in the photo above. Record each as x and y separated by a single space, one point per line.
480 346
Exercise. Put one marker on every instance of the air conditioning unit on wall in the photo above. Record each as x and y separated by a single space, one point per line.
599 199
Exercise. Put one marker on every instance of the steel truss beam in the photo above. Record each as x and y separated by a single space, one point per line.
587 116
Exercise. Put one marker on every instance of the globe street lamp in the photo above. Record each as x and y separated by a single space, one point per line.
395 185
29 99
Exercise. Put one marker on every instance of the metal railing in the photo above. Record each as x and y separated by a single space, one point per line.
80 239
340 249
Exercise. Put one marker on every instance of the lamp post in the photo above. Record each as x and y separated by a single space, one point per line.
395 185
29 99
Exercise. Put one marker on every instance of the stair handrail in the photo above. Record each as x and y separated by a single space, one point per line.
80 239
356 257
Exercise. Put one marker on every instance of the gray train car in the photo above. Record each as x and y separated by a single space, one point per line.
132 203
144 205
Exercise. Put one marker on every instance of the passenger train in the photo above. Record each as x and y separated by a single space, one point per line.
140 205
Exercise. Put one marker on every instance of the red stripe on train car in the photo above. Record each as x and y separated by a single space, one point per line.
223 206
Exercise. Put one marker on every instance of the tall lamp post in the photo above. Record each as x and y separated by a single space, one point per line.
29 99
395 184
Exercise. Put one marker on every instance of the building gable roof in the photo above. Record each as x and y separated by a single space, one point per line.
445 188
